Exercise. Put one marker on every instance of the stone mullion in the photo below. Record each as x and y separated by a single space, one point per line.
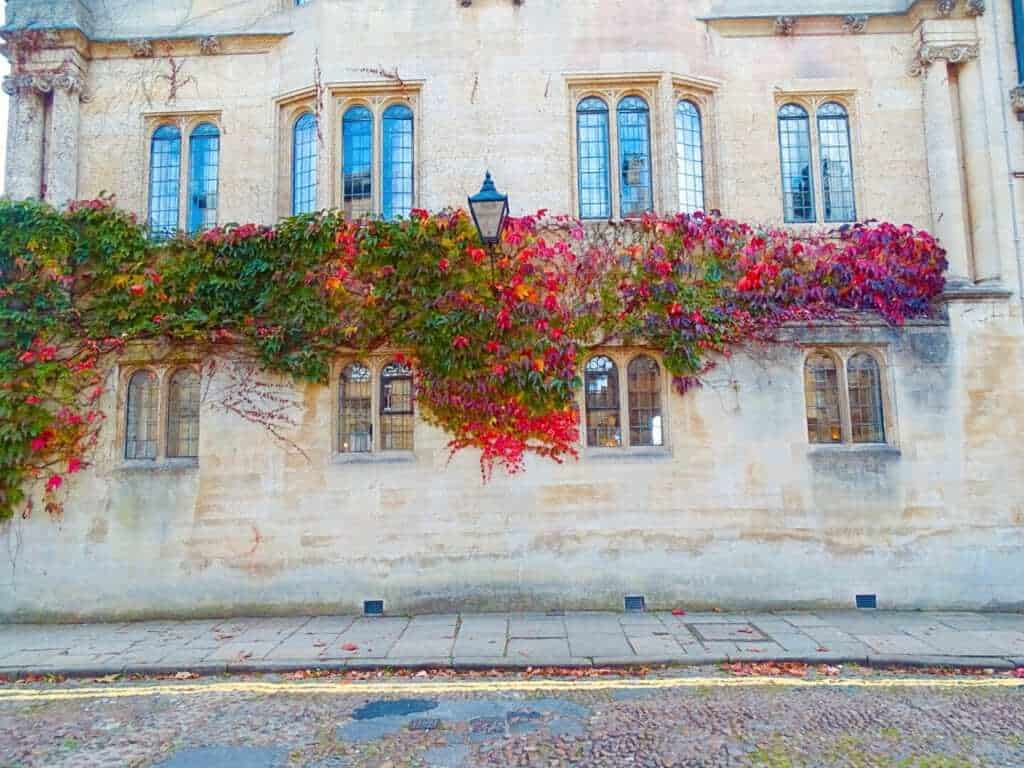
26 124
62 147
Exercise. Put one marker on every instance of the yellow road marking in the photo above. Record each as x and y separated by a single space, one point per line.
347 688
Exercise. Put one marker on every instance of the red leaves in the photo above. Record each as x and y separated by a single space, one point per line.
137 289
460 342
54 483
350 647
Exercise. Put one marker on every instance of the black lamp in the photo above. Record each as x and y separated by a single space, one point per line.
490 209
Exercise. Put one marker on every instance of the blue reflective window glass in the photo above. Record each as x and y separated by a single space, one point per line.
592 159
164 181
635 156
690 157
357 162
304 141
836 163
795 158
397 171
203 171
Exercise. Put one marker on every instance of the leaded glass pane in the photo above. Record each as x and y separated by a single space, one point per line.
355 414
397 175
357 162
795 156
836 163
690 157
592 159
304 142
821 390
601 390
164 181
396 408
140 432
635 156
865 388
645 423
183 414
204 167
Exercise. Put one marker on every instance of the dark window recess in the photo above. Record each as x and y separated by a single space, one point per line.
373 607
867 601
635 603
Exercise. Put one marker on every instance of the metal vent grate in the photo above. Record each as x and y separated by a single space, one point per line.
373 607
635 603
867 601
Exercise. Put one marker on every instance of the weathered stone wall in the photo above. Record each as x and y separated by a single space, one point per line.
739 510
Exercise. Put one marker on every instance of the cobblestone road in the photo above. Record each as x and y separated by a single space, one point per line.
200 724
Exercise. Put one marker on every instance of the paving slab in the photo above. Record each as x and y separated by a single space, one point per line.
897 644
528 649
479 644
657 645
536 628
599 645
227 757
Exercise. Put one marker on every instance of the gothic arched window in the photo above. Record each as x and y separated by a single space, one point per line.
644 390
203 177
821 389
183 414
601 390
864 385
304 141
140 435
397 162
690 157
357 161
592 159
396 407
795 158
164 181
634 125
836 163
355 413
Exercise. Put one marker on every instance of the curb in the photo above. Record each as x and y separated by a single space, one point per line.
210 669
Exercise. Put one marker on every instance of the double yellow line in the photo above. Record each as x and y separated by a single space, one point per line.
441 687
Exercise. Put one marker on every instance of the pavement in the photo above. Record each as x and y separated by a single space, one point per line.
513 640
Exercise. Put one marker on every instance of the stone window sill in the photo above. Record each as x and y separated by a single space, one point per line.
382 457
630 454
159 465
853 449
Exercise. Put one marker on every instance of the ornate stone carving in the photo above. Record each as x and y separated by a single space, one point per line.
141 48
975 7
1017 101
784 25
855 24
43 82
929 54
210 45
945 7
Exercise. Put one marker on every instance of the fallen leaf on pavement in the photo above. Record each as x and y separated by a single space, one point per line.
767 669
350 647
822 650
184 675
678 612
108 678
1018 672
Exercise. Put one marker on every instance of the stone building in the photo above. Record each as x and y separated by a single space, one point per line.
857 460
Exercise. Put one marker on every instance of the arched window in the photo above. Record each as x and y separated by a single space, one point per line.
397 159
645 423
795 157
203 172
355 414
634 123
592 159
304 140
601 388
357 161
821 389
164 181
836 163
865 388
141 416
183 414
690 157
396 407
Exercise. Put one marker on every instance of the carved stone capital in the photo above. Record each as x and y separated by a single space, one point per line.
855 24
975 7
43 82
1017 101
785 25
210 45
954 53
945 7
141 48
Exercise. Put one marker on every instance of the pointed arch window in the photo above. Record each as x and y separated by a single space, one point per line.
601 390
397 162
836 163
355 422
821 390
795 158
164 181
634 131
644 390
864 384
396 407
203 177
183 414
357 161
690 156
140 440
592 151
304 151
